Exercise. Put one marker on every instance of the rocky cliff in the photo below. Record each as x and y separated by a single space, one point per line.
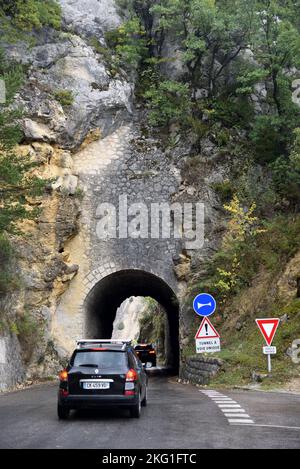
90 136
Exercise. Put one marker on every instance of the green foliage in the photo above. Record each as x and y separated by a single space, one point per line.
128 42
248 77
254 182
8 280
286 172
242 350
267 139
64 97
243 228
31 14
204 27
153 326
17 179
232 111
266 245
168 101
224 190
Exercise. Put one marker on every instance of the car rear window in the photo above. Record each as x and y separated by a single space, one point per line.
101 359
143 347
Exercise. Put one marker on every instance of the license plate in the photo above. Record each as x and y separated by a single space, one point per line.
102 385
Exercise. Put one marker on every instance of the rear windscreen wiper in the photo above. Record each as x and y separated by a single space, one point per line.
89 364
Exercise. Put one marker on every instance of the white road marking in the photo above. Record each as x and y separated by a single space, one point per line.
232 406
286 427
234 413
221 398
240 421
226 402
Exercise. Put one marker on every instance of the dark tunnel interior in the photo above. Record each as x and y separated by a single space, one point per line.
109 293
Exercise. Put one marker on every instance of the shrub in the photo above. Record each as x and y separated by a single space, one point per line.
168 101
286 172
224 190
32 14
267 139
64 97
128 42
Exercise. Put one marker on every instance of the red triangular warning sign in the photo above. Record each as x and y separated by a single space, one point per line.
268 328
206 330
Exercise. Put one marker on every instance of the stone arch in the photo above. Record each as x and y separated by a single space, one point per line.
110 287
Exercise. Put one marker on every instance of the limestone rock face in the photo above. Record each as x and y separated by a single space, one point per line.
11 367
69 89
126 324
91 17
288 284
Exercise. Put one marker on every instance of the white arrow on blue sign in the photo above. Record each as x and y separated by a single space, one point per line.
204 304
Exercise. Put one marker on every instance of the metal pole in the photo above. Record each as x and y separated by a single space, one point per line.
269 363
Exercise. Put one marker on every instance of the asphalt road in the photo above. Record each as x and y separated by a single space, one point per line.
177 416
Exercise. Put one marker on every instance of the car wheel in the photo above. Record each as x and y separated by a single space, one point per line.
135 411
144 401
62 412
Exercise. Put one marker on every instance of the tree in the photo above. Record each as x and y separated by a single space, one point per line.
276 45
17 180
211 35
286 173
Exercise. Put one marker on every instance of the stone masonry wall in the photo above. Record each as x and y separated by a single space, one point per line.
123 163
199 370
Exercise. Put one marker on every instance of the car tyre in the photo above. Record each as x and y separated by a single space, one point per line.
135 411
144 401
62 412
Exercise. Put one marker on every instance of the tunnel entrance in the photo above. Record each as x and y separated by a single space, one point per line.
109 293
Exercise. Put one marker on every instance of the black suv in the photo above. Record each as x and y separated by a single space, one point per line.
146 353
103 373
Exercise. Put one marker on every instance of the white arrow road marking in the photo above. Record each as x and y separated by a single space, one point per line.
234 413
201 305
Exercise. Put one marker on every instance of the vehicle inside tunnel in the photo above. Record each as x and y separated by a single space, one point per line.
109 293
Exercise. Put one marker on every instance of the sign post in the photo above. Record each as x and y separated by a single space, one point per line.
268 328
204 305
207 338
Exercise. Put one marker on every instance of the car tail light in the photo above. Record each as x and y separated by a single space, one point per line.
63 375
64 392
152 352
131 375
129 393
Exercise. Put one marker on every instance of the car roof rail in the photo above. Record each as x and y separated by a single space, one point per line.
82 343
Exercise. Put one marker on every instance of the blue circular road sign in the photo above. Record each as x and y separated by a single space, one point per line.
204 304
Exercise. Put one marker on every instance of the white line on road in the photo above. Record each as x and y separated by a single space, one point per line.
221 398
226 402
273 426
236 411
230 408
240 421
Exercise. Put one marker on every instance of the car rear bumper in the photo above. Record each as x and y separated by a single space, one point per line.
84 401
147 358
